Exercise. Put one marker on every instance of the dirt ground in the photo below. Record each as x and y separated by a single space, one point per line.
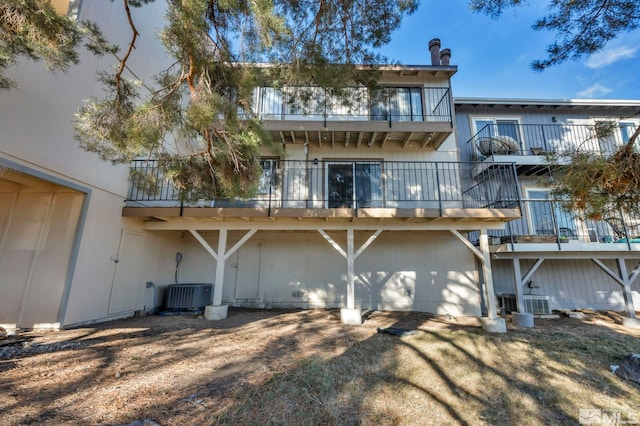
139 370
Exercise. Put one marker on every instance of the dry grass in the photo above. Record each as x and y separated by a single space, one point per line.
274 367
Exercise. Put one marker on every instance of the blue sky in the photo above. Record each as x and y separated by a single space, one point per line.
494 56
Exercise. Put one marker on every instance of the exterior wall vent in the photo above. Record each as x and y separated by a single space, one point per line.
189 296
533 304
537 305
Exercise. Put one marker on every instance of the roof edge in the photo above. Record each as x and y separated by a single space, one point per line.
548 102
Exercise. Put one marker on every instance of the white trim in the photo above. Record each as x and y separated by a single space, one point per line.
518 119
549 102
492 118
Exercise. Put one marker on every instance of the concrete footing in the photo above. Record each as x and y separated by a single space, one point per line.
351 316
522 320
631 322
497 325
217 312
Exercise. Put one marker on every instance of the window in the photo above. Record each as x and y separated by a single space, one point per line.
397 104
548 218
487 127
268 177
627 129
354 184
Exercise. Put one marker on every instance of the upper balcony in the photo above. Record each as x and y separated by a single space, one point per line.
343 190
387 116
527 144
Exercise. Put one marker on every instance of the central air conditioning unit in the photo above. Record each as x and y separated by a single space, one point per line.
189 296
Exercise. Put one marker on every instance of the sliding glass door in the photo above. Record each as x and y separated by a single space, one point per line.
354 184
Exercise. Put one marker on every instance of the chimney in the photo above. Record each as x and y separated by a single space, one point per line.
445 56
434 48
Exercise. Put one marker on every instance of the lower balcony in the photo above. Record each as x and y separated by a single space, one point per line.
348 190
546 226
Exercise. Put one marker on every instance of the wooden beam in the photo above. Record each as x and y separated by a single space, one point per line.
219 282
333 139
406 139
427 138
373 139
359 139
488 275
517 275
385 136
626 288
532 271
282 137
204 243
634 274
346 138
239 244
351 292
293 137
306 138
367 243
319 139
467 243
274 224
609 272
331 241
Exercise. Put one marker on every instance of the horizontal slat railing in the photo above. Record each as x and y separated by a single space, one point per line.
352 184
536 139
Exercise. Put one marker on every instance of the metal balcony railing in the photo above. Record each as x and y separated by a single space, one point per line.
545 221
537 139
349 184
391 104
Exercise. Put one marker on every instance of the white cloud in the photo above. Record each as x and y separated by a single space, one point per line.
609 56
594 90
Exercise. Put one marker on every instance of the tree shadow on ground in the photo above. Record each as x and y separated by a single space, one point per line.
305 367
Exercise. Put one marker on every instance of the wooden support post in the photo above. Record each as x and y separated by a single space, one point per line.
626 288
351 297
517 275
488 275
222 247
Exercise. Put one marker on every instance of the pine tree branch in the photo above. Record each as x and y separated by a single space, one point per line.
317 19
132 43
564 51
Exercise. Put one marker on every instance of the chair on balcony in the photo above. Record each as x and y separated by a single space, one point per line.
567 233
497 145
624 230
